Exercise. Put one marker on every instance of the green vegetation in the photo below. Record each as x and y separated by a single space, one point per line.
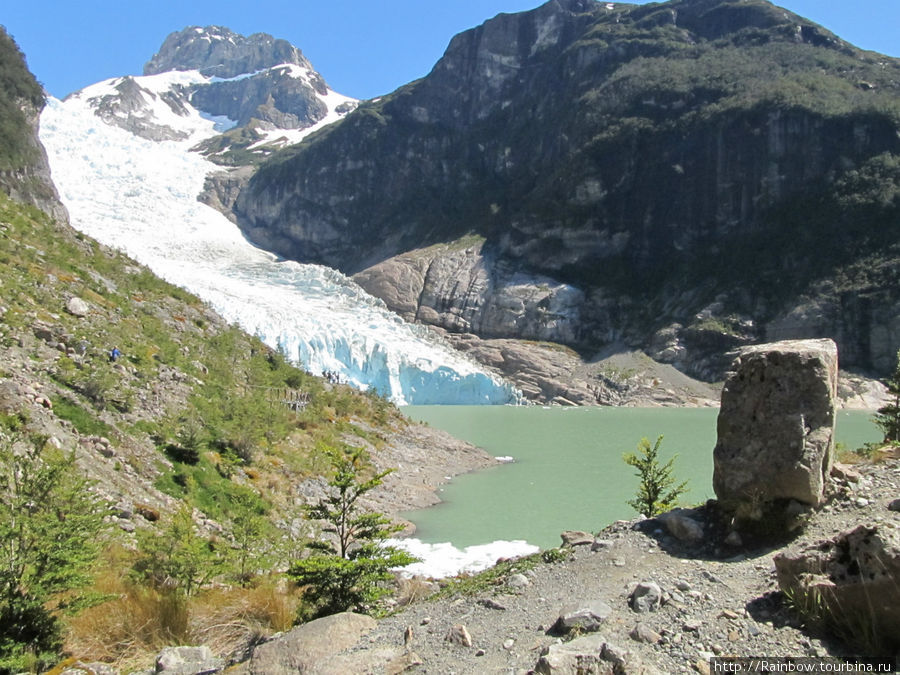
50 524
657 491
17 87
348 572
888 416
193 407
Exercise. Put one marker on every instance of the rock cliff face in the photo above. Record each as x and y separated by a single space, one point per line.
643 164
24 171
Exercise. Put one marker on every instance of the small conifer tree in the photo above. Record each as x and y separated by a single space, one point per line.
888 415
348 571
50 526
657 491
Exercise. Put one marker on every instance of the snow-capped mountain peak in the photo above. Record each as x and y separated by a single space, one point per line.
206 81
218 51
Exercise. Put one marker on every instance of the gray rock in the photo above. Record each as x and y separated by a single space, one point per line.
518 581
646 597
577 538
459 635
187 661
776 427
589 654
851 580
309 646
585 616
77 307
681 526
643 633
894 505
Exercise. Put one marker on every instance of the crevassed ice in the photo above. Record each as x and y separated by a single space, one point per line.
141 196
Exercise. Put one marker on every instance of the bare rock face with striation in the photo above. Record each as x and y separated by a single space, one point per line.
776 427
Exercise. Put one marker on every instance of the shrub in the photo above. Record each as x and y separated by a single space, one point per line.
50 524
657 491
348 572
888 416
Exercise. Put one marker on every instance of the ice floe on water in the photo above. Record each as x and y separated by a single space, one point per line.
446 560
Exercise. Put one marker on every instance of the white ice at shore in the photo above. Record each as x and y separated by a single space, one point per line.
446 560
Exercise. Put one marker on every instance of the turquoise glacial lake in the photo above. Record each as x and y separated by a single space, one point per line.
568 472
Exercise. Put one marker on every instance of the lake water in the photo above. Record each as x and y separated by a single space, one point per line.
568 472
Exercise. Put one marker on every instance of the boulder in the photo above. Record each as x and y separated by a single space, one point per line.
646 597
776 427
681 526
576 538
589 655
584 616
309 647
849 582
187 661
77 307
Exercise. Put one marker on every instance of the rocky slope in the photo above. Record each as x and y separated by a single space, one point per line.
588 173
699 599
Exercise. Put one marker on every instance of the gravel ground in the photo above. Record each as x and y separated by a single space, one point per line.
716 599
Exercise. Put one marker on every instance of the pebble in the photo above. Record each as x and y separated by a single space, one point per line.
862 501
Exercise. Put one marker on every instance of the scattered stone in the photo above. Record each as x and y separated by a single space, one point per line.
862 501
490 603
646 597
845 473
586 616
894 505
95 668
729 614
692 625
577 538
682 585
518 581
187 661
508 644
681 526
459 635
427 620
776 427
643 633
480 652
77 307
589 654
601 544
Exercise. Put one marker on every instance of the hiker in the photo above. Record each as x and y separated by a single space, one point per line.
114 354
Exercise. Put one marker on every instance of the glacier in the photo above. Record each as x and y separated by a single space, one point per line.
140 196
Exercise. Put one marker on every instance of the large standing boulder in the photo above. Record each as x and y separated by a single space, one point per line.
776 427
850 583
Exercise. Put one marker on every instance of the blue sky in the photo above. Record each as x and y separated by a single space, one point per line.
362 48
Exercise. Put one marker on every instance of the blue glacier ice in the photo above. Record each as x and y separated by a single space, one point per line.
140 196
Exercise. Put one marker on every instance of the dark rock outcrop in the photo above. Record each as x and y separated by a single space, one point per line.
24 169
776 428
635 156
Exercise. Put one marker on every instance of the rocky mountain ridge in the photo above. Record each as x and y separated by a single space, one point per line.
616 164
262 92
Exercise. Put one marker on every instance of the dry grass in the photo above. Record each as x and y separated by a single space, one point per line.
130 629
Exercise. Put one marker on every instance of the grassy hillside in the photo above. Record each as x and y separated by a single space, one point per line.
191 415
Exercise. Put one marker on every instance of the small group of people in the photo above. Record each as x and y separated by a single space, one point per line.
332 376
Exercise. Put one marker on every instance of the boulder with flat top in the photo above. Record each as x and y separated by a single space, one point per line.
776 427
